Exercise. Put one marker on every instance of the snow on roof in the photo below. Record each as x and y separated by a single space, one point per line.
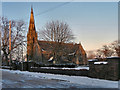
51 58
100 62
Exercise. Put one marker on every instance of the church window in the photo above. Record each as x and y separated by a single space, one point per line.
33 40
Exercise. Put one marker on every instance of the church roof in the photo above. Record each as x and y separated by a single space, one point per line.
68 47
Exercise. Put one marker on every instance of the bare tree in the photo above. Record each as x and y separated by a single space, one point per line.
17 36
107 52
91 54
116 47
98 53
104 52
58 32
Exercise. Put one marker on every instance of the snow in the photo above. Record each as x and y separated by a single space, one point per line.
33 67
43 49
72 79
100 62
112 57
50 67
5 66
72 53
119 84
92 60
51 58
77 68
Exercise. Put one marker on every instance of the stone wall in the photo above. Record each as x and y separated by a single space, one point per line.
109 71
82 72
113 68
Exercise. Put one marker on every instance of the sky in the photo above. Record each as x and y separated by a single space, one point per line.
93 23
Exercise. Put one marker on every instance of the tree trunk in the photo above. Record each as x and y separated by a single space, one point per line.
6 59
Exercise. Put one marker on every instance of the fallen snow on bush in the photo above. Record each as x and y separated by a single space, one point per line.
72 79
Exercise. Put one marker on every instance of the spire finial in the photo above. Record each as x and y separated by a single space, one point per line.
32 24
31 9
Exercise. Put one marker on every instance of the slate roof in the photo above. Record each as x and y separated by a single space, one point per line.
68 47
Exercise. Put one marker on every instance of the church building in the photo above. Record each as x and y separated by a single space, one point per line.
41 51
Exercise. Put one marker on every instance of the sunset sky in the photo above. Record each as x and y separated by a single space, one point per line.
93 23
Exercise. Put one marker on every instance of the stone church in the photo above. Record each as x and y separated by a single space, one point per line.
43 51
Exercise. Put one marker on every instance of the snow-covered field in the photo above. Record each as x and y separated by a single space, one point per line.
72 79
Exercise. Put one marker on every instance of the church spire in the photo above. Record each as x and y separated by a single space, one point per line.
31 9
31 37
31 24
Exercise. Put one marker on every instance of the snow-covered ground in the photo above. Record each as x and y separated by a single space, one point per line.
119 84
72 79
76 68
